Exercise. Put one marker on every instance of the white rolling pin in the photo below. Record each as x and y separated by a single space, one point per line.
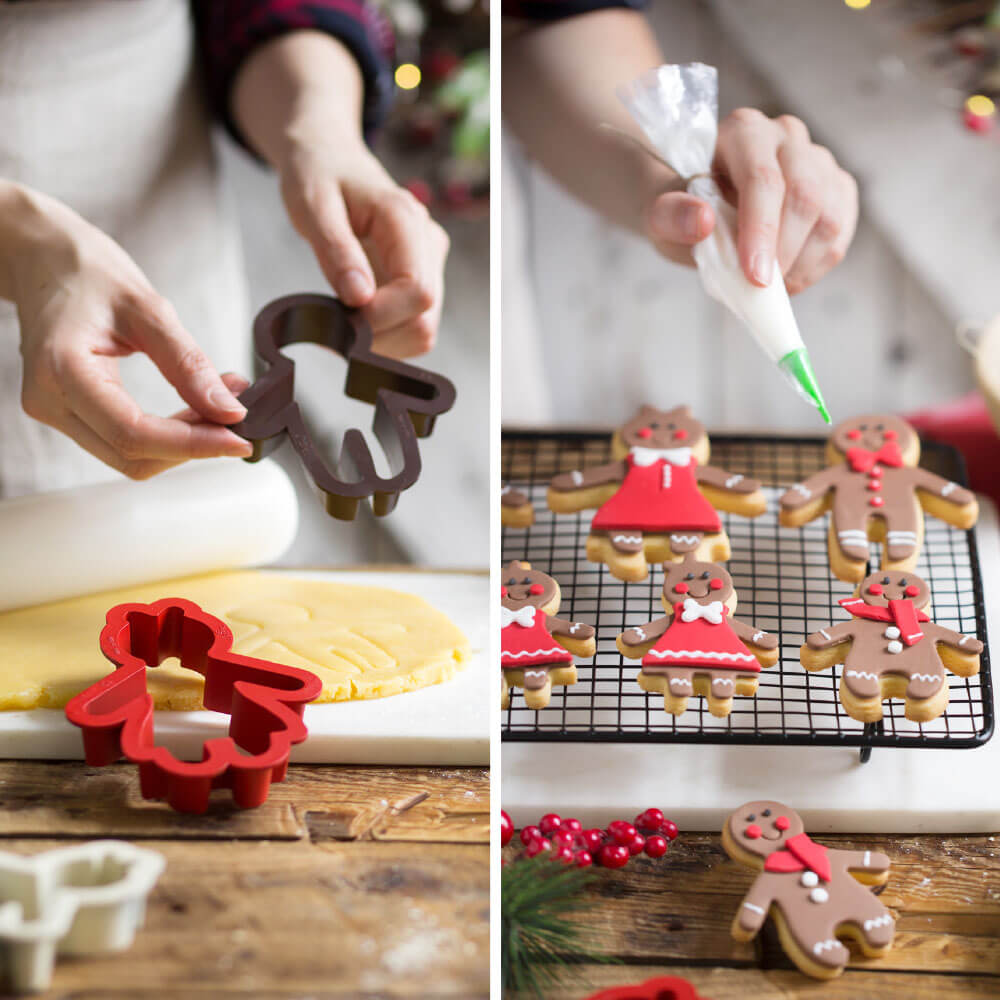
202 516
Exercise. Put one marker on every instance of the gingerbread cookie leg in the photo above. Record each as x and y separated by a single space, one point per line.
861 693
847 544
504 691
711 547
622 552
537 686
721 686
676 684
904 534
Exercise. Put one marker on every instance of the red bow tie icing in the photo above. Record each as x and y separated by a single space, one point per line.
800 853
901 613
265 700
861 459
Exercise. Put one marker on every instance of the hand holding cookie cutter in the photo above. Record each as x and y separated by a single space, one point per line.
266 701
88 899
406 400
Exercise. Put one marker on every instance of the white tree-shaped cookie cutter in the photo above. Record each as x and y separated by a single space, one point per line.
88 899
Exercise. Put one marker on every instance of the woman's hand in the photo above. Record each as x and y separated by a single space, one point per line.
298 99
794 203
82 304
376 244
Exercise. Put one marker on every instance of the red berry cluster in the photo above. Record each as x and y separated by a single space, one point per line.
569 843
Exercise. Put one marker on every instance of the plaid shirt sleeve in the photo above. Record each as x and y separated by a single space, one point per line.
553 10
229 30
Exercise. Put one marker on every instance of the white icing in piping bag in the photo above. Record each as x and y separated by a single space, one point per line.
677 107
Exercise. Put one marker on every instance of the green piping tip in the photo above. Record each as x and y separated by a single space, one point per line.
798 370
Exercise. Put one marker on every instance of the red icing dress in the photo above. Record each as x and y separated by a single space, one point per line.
701 643
658 498
529 645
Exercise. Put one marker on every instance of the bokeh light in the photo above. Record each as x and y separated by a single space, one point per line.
981 105
407 76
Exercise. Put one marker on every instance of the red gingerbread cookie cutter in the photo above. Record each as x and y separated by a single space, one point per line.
407 400
660 988
265 700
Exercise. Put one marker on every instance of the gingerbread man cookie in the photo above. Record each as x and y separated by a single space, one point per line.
816 895
515 508
891 649
698 648
658 501
536 648
877 492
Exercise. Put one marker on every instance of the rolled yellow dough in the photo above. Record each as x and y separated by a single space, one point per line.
363 642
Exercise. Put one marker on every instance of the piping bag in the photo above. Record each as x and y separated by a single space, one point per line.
678 109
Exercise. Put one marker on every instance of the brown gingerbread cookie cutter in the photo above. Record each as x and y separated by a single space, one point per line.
406 399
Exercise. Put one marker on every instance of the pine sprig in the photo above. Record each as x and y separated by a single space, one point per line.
539 943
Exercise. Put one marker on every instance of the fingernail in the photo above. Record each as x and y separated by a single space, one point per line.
355 286
221 397
670 221
762 268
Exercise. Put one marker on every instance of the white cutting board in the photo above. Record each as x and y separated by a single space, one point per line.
897 791
442 724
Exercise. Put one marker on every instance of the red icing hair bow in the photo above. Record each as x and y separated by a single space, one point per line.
800 853
901 613
861 459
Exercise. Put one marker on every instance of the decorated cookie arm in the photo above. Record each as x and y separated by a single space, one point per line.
751 636
816 486
753 910
597 475
832 635
642 635
873 862
936 486
571 630
955 640
730 482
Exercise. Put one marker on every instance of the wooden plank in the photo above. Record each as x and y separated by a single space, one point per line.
943 890
291 919
777 984
41 798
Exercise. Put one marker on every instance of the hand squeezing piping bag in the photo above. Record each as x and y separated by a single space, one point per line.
677 108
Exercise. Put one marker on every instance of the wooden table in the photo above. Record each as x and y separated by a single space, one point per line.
348 882
672 917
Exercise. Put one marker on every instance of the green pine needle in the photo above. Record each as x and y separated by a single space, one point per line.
538 944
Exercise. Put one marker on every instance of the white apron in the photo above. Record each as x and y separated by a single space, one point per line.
100 107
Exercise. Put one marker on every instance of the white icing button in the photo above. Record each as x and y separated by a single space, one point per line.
891 632
809 879
819 895
895 646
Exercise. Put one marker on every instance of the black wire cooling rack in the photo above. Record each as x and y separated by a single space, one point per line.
784 585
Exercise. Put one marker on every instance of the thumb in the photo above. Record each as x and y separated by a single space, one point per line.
328 229
678 219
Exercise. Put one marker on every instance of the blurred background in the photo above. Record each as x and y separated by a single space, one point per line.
884 84
437 143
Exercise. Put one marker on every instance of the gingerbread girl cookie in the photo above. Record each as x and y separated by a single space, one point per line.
891 649
816 895
536 648
877 492
658 501
698 648
515 508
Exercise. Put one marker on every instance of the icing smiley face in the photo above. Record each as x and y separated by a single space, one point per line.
883 586
521 586
702 581
763 827
653 428
872 433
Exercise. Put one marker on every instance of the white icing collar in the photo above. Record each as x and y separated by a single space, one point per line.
648 456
